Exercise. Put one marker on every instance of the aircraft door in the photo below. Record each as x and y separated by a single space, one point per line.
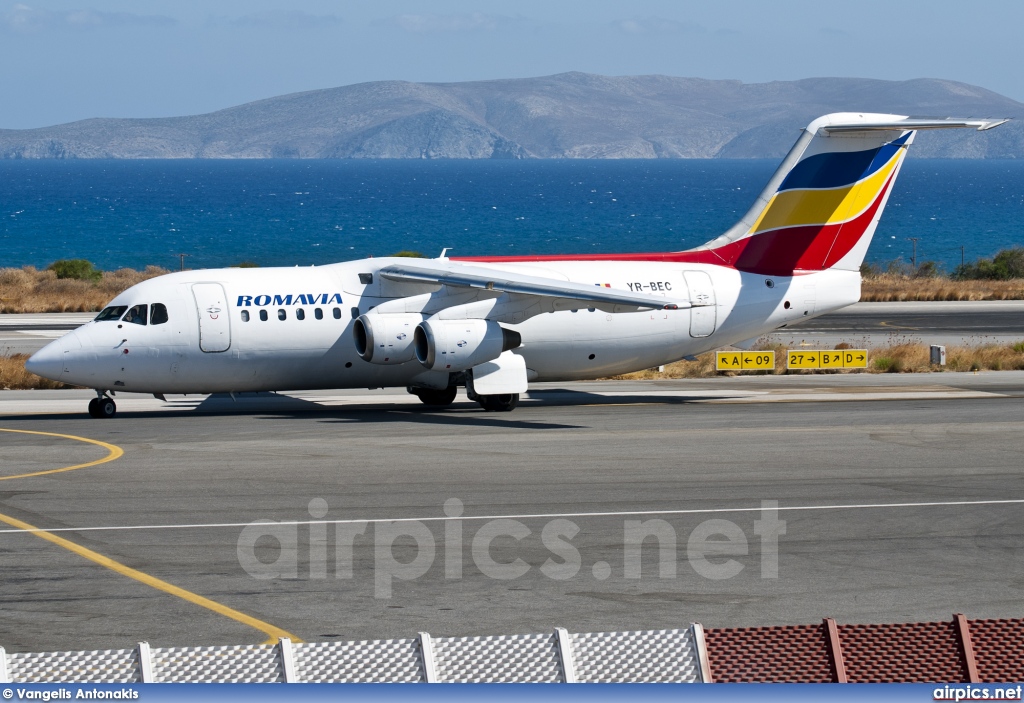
214 323
702 293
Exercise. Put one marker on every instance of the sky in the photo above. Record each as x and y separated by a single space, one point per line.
66 60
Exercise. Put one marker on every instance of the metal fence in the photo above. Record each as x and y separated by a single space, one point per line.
959 650
557 657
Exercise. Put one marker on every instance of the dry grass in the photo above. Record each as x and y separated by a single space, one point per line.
899 358
29 290
14 377
888 287
913 358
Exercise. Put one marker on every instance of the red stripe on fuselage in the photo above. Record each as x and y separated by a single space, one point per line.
780 252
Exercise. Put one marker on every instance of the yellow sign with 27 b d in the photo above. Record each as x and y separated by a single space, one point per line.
745 361
827 359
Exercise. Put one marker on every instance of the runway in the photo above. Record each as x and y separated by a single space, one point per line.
897 496
26 334
965 323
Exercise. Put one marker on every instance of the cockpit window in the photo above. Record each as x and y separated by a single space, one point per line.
114 312
137 315
157 314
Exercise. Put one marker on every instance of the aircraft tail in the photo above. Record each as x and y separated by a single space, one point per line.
820 209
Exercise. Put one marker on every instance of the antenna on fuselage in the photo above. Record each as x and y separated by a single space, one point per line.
445 251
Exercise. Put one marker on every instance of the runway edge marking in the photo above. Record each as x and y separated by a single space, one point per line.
273 632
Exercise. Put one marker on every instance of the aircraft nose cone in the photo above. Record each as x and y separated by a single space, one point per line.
48 362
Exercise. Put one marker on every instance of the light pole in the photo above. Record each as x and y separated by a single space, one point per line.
913 258
182 256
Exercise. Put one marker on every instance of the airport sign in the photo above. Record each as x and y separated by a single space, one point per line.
745 360
827 359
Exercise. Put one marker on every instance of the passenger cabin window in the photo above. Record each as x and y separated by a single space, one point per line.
157 314
263 315
136 315
282 315
337 313
245 316
300 314
318 314
114 312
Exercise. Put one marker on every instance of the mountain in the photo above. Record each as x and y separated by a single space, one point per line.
570 115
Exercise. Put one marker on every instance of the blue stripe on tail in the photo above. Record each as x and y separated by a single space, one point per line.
840 168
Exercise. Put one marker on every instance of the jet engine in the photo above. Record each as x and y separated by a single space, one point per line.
385 339
457 345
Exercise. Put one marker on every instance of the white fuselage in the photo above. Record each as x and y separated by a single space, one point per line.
296 347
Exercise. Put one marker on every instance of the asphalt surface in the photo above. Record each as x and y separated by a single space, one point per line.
892 490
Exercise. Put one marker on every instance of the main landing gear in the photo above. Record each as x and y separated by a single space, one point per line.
504 403
436 397
102 406
443 397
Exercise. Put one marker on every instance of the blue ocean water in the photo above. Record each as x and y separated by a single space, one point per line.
287 212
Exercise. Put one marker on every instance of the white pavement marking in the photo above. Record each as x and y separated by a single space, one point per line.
531 516
46 334
819 395
265 404
45 318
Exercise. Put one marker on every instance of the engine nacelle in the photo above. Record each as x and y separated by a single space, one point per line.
457 345
385 339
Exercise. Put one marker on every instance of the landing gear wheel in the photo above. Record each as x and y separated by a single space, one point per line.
102 408
437 398
506 402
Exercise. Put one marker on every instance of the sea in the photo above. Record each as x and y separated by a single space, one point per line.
136 213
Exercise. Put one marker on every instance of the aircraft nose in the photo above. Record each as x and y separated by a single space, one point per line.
48 362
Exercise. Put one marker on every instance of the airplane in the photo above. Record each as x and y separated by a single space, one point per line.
495 324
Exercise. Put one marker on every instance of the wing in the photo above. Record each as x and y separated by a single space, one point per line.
455 274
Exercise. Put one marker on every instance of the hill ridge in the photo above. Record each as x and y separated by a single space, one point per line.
566 115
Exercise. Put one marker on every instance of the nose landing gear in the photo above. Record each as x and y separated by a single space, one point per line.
102 406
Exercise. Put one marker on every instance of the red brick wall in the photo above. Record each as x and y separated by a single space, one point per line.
796 653
999 649
904 652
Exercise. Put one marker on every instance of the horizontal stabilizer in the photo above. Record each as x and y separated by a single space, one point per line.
911 123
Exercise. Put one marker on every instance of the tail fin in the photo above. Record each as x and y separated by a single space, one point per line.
820 209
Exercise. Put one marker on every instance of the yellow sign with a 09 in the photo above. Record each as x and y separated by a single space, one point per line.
745 360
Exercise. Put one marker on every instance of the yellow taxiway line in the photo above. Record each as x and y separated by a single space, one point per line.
273 633
115 453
